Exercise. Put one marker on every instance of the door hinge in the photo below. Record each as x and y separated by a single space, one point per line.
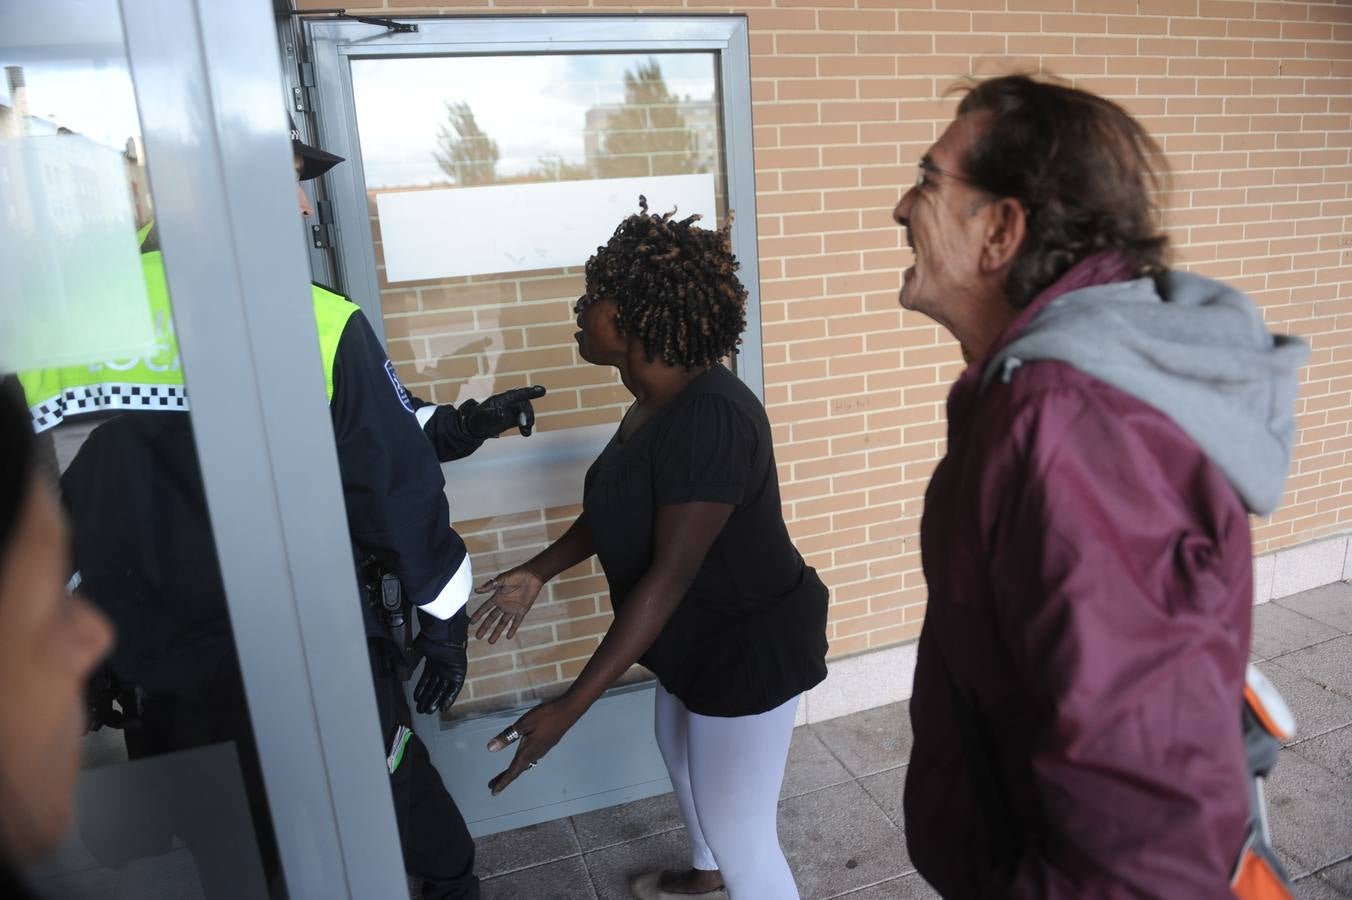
302 94
321 231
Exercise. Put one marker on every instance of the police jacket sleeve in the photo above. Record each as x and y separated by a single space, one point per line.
445 429
392 484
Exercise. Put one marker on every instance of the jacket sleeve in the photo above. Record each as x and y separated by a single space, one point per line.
395 494
1109 597
443 428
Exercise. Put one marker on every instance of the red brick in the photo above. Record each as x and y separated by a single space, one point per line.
854 66
814 43
1007 23
934 22
786 113
858 111
856 20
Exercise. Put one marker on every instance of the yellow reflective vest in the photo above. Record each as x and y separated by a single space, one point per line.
154 381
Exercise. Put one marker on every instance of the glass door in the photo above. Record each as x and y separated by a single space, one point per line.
157 318
169 803
485 172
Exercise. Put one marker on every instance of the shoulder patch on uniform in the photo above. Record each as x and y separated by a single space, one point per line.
399 388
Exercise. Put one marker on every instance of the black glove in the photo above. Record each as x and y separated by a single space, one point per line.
510 409
442 643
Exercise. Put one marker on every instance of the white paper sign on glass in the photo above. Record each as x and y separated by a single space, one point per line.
72 269
453 232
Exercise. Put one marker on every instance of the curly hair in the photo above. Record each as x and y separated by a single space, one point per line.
1085 171
675 284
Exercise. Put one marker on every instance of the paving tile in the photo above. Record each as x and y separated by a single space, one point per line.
1316 708
811 765
837 840
566 879
627 822
1312 887
1332 750
870 741
612 867
1294 868
1338 876
912 887
1330 604
523 848
1328 664
887 789
1278 630
1311 813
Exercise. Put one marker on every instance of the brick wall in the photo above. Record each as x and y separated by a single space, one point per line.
1252 103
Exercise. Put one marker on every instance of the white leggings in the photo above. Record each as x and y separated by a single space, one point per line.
727 773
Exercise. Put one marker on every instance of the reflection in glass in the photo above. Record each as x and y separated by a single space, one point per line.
533 118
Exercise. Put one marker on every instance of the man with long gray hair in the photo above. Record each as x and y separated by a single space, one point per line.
1086 539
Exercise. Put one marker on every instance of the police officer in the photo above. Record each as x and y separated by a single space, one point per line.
135 489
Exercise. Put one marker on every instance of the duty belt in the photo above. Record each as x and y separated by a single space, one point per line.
384 595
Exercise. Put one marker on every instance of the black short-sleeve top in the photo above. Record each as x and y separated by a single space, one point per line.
750 632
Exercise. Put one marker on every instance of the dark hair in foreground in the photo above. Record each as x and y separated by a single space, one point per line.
676 286
1085 171
17 456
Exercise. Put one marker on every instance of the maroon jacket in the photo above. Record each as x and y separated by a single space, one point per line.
1077 694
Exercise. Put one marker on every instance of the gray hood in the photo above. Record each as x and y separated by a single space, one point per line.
1204 358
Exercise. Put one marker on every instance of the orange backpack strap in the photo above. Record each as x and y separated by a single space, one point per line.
1260 877
1267 724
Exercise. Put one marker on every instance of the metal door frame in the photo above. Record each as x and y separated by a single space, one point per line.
206 77
611 756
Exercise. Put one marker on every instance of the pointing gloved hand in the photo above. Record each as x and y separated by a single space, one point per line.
442 644
500 412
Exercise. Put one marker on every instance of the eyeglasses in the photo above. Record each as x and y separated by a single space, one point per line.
927 168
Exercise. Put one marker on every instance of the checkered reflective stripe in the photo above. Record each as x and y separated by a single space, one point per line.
108 396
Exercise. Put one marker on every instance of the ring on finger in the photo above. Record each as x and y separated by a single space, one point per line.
533 765
512 736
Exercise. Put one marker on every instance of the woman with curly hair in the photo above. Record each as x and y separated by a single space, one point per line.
682 508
